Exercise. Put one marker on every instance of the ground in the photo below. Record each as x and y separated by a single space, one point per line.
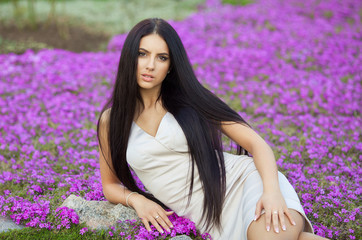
78 25
75 38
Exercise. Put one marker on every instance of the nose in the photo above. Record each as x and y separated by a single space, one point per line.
150 64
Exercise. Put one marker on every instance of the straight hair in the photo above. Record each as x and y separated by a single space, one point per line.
197 110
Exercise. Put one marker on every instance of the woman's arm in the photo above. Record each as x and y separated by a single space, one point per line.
262 153
264 160
113 189
116 193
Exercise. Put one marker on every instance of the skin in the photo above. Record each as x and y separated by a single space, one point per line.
153 66
152 60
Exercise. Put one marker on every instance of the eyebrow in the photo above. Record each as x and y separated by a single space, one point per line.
157 54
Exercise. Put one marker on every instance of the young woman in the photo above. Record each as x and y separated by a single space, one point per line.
165 126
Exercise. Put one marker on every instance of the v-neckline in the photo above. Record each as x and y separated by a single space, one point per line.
158 128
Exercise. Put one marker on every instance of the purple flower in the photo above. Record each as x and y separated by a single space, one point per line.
83 230
295 77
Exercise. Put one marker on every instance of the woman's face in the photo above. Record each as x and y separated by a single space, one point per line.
153 62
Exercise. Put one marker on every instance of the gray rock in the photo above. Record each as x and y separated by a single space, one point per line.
7 224
102 214
99 214
181 237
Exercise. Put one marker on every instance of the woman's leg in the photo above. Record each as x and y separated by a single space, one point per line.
309 236
257 230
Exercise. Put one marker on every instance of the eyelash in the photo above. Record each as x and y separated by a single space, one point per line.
162 58
141 54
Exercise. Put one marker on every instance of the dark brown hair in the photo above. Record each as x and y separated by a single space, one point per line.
197 110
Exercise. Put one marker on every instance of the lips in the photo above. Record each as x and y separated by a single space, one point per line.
147 77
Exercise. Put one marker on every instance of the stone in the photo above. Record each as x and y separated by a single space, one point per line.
102 214
181 237
7 224
99 214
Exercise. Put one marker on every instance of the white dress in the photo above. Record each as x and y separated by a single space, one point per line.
163 165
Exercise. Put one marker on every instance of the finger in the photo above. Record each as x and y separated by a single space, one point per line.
170 213
257 210
156 225
267 220
282 220
275 216
167 220
161 221
290 217
147 225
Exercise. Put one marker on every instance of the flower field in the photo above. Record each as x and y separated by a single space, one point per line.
293 69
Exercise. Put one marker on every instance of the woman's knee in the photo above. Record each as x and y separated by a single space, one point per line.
257 229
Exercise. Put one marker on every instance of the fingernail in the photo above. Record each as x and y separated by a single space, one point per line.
168 230
294 223
284 228
162 231
171 225
267 228
277 230
255 218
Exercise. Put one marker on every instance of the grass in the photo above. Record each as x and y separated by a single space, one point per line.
64 234
20 46
95 17
111 17
104 17
108 16
238 2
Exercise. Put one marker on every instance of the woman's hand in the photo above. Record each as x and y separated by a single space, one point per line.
275 209
151 212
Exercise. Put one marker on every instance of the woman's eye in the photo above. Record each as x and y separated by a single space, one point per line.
163 58
142 54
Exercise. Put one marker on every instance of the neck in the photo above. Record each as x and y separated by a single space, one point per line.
150 97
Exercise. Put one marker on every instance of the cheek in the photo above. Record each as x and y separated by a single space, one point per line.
144 62
165 68
140 64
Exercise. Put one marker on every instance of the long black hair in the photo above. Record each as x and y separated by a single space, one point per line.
198 111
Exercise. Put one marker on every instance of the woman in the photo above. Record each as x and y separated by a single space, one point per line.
162 123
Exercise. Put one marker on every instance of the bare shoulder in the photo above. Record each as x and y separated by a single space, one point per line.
104 119
103 125
103 134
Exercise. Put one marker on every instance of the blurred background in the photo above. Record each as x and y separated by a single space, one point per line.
291 68
80 25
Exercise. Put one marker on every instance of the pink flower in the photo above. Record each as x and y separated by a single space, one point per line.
83 230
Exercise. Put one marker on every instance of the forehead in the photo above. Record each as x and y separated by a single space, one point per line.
154 43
